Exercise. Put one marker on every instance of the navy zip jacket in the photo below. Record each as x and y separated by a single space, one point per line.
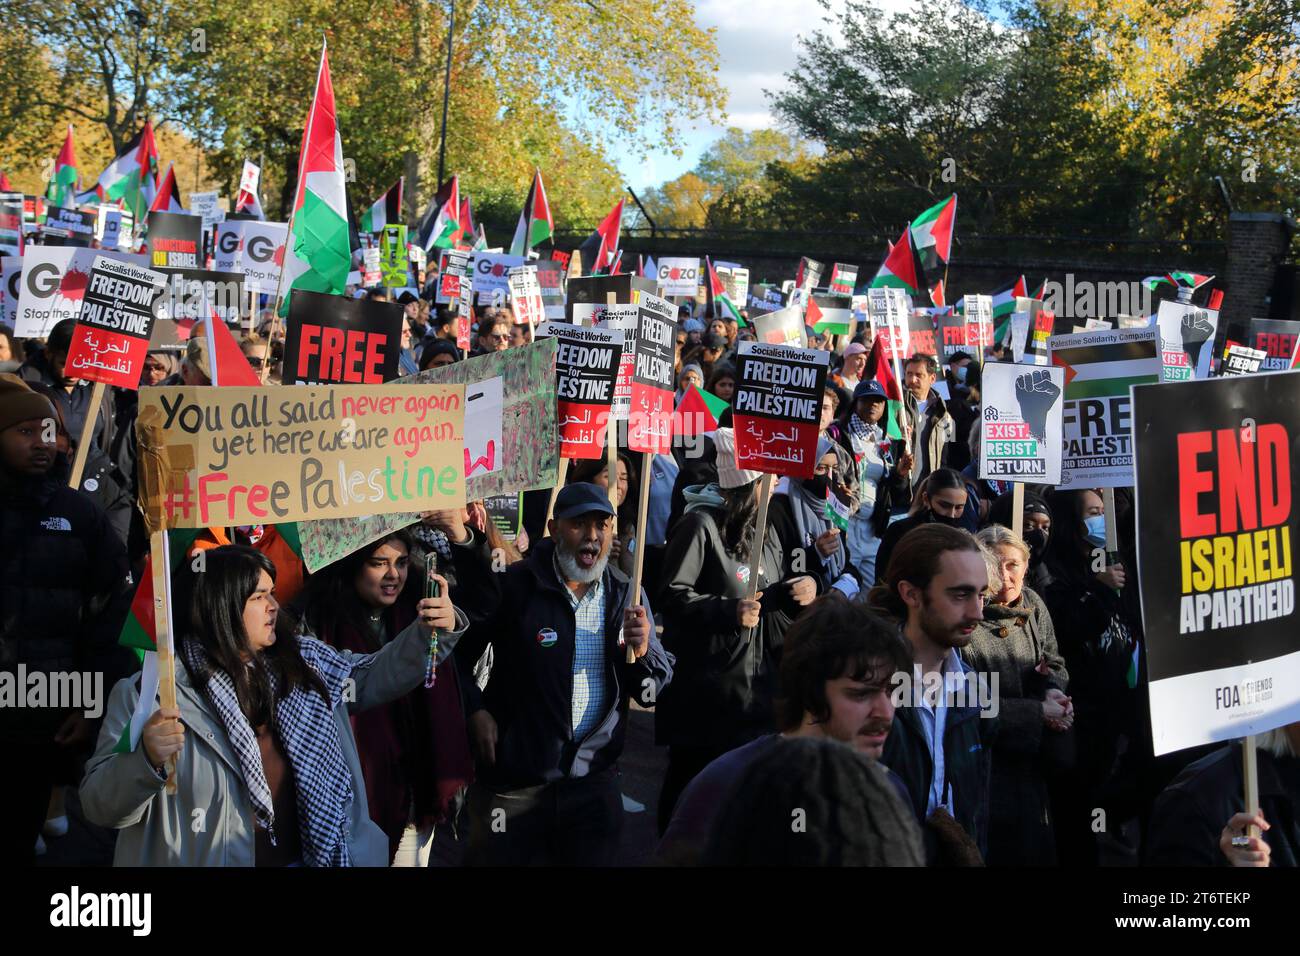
530 690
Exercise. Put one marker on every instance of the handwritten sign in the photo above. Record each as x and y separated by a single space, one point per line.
777 408
231 456
113 328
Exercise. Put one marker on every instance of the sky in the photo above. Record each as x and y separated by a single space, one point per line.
757 43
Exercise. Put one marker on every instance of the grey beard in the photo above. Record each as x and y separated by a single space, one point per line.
573 572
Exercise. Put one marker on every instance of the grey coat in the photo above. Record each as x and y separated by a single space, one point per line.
209 820
1010 642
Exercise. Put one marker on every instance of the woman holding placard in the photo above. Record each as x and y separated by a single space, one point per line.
265 761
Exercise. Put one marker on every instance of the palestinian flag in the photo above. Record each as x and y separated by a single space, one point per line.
231 367
826 321
63 184
318 253
698 412
129 179
1004 303
600 249
441 227
837 510
878 368
716 293
1042 289
937 295
535 222
248 200
844 278
932 232
167 196
387 209
480 242
1179 280
902 268
1107 371
467 218
139 633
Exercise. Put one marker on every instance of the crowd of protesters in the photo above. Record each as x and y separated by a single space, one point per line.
315 726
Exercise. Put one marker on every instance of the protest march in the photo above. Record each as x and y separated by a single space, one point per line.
338 532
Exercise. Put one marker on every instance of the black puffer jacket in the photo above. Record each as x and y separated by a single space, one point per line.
64 587
724 684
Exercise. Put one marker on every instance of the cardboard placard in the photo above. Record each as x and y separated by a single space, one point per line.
651 417
735 280
979 325
809 275
53 281
1242 360
1216 535
1277 339
679 275
175 241
783 327
11 220
254 248
764 298
235 455
1096 416
777 407
550 279
526 296
75 226
833 313
920 334
334 340
371 273
394 266
844 278
208 207
491 274
192 295
506 512
527 457
1186 340
587 361
453 267
113 327
11 273
887 310
1020 423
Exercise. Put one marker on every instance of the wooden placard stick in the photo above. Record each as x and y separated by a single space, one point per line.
1018 508
561 473
1112 538
162 611
87 435
756 548
638 558
1250 776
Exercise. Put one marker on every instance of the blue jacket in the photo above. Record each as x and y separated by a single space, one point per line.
530 690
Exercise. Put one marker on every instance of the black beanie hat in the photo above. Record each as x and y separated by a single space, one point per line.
851 813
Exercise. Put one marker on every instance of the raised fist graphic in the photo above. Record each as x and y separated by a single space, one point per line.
1196 330
1036 394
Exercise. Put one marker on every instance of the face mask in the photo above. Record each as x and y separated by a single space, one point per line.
1096 526
944 519
1036 538
961 373
818 485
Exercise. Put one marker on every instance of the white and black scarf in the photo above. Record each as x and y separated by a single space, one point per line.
306 728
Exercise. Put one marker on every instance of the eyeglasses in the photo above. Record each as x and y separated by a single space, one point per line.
254 361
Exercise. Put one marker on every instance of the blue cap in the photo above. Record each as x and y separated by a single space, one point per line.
581 498
693 325
869 389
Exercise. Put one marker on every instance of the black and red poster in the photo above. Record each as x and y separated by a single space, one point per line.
777 408
334 340
586 367
1276 338
651 417
1216 530
114 324
175 241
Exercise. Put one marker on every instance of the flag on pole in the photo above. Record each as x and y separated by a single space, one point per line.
440 227
318 254
717 292
600 249
838 511
535 222
902 267
386 210
932 232
698 412
62 190
167 197
249 198
878 368
129 178
467 218
1004 299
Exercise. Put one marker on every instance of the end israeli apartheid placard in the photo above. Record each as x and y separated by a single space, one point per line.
1020 423
1216 539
